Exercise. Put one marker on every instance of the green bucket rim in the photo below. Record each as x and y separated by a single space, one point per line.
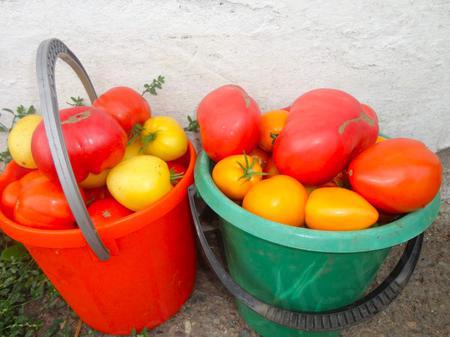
385 236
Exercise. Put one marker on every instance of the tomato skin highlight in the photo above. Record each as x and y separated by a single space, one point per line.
229 122
338 209
324 130
94 139
280 198
126 105
107 210
397 175
229 175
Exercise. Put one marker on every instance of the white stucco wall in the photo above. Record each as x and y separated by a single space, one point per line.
393 55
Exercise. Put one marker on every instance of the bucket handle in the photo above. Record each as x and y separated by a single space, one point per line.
337 319
48 53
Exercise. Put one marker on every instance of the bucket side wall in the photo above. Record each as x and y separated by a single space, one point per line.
149 276
296 279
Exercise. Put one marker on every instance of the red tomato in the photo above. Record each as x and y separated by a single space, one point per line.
9 198
397 175
229 122
12 191
324 130
12 171
107 210
127 106
96 193
270 169
94 139
40 202
262 156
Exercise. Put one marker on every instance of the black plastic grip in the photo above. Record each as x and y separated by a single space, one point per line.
337 319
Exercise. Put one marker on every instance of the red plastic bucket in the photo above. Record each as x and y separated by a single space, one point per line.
130 274
151 271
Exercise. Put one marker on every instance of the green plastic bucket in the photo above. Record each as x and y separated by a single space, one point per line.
298 282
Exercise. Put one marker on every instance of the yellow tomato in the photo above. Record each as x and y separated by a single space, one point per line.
235 175
280 198
133 149
19 140
163 137
140 181
270 126
380 139
338 209
95 180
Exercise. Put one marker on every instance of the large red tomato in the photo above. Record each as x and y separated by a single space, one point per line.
94 139
229 122
397 175
37 201
126 105
324 130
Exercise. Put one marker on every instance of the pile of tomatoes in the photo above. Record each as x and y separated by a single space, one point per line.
320 162
123 160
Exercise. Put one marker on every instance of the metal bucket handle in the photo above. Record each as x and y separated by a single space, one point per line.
337 319
48 53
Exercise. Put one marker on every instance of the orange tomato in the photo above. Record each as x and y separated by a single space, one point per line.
281 199
270 169
235 175
380 139
338 209
270 126
262 156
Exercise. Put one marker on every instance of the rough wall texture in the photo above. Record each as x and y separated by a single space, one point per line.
395 55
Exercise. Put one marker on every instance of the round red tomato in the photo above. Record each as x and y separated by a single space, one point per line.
397 175
126 105
229 122
107 210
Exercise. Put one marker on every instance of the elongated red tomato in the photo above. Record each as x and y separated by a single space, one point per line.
229 122
38 202
397 175
324 130
94 139
12 172
126 105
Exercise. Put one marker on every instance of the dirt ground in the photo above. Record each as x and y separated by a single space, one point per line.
422 310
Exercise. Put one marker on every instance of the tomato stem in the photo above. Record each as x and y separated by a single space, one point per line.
247 169
274 137
148 138
175 176
135 133
193 125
